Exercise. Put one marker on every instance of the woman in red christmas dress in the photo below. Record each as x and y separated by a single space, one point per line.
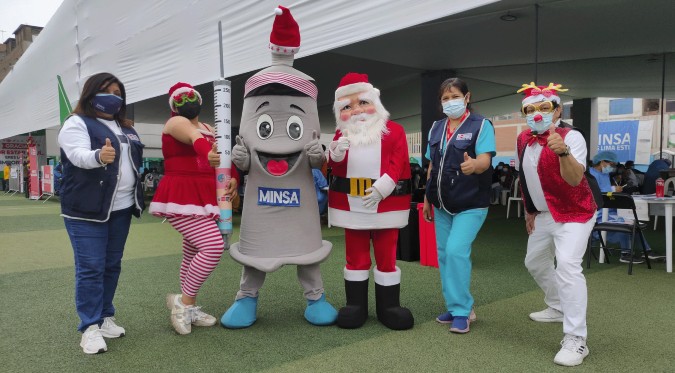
186 197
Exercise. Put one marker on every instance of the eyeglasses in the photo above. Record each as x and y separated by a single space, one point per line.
180 99
543 107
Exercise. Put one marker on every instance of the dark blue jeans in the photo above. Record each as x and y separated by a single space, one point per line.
98 249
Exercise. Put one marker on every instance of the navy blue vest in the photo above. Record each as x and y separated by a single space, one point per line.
88 193
450 189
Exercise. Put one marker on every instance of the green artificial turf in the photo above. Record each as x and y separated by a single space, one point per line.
631 327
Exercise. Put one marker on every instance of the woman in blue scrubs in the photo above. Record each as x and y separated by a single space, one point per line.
459 180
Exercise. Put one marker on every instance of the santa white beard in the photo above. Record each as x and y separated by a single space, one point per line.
363 129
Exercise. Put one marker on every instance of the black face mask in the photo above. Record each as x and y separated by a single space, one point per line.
190 110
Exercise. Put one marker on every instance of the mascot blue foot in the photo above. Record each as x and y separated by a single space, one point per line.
319 312
241 314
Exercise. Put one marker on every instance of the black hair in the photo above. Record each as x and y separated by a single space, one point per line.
453 82
95 84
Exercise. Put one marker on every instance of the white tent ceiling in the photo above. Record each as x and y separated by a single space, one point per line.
598 48
150 45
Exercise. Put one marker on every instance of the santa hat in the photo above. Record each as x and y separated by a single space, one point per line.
179 89
353 83
534 93
285 35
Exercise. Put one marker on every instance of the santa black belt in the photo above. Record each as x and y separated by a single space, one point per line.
356 186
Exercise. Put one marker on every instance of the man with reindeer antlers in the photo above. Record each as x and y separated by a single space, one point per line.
560 214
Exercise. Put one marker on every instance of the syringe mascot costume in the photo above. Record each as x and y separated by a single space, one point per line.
369 196
278 145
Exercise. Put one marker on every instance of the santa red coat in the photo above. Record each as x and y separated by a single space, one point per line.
385 161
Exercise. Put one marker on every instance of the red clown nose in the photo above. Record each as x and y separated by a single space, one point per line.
538 118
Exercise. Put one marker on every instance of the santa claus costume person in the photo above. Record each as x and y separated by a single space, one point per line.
559 215
369 196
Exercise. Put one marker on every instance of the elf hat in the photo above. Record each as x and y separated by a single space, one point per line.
179 89
534 93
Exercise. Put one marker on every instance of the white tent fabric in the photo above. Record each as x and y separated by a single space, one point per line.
149 44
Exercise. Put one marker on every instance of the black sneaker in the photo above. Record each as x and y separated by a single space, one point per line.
653 256
625 258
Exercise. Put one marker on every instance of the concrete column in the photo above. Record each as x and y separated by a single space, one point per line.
585 116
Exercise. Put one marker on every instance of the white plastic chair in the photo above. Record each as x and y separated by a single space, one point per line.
515 196
670 181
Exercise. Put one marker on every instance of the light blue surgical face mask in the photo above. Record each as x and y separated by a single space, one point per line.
607 170
542 125
454 108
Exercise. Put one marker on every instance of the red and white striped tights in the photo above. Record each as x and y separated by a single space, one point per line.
202 248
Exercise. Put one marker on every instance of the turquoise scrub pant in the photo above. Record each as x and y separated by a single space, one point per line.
454 236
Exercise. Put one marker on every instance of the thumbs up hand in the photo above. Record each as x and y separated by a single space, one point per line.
469 165
556 143
214 157
240 155
339 147
315 152
107 154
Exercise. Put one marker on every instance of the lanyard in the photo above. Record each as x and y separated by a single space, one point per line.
449 132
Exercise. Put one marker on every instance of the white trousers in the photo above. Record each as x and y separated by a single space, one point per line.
564 284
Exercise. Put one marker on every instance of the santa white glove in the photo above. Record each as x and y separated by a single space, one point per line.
339 148
315 152
240 155
372 199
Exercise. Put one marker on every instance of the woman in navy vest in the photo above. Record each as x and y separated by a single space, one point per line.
101 154
459 180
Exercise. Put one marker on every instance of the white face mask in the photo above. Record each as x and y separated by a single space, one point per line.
542 125
454 108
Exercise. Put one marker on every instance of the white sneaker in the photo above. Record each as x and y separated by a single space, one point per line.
92 341
573 351
547 315
181 315
111 330
201 318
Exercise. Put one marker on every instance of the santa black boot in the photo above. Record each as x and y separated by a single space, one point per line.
355 313
389 310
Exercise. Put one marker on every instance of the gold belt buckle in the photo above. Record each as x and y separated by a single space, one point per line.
358 186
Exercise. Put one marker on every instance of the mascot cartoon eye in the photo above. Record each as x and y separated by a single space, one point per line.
294 127
265 126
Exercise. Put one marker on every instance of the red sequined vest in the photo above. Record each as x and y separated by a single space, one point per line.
566 203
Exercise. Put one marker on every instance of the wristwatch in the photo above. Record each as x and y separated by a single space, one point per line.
566 153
